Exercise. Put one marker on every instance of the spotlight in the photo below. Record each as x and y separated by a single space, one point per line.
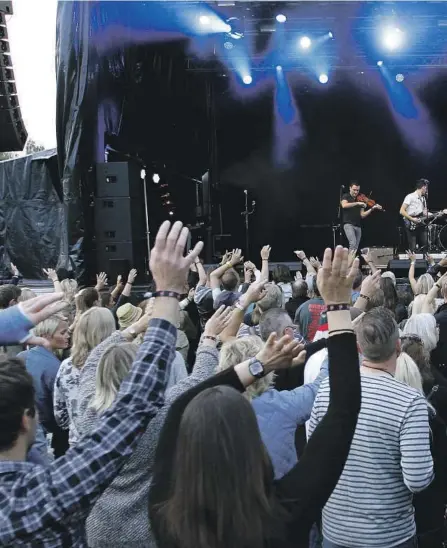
171 213
323 78
156 178
330 34
393 38
281 18
228 45
227 28
204 20
400 77
379 63
247 79
305 42
279 68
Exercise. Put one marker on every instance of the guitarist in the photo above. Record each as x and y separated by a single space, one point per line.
414 210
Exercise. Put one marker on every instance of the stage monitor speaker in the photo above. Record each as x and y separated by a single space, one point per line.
119 179
381 256
401 267
119 258
13 135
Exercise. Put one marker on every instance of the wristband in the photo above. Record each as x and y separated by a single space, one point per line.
338 307
170 294
210 337
364 297
332 331
130 283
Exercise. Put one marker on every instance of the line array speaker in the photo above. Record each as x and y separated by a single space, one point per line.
13 134
119 219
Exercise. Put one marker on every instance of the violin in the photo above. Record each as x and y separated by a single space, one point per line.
369 201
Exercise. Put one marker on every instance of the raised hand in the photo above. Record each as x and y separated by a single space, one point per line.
218 322
411 256
301 255
101 281
430 259
315 263
255 293
226 257
336 277
15 270
132 276
236 257
119 280
279 353
265 252
371 284
168 265
42 307
298 276
50 273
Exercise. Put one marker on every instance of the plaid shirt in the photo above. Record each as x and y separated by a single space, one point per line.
47 507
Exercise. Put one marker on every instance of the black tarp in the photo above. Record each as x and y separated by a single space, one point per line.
32 214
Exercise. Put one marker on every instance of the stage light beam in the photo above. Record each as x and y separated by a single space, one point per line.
323 78
247 79
204 20
379 63
393 38
305 42
281 18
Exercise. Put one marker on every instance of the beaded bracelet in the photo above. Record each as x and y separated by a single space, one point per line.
365 297
210 337
338 307
171 294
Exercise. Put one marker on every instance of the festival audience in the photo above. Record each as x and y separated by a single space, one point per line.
218 469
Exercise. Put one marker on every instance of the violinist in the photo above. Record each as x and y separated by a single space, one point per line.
354 211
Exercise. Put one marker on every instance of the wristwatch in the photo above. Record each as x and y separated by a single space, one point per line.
256 368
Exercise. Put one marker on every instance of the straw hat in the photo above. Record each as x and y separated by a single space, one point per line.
128 314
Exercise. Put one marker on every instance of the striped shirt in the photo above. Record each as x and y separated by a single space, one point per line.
389 460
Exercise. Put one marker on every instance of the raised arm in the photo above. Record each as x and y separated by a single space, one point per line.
311 270
412 258
201 272
428 303
369 286
217 274
265 256
307 487
51 275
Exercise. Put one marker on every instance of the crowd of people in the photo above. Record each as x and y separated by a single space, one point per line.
232 408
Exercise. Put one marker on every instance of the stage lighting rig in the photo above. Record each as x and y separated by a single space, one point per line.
236 28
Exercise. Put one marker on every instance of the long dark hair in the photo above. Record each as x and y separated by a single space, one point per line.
222 492
390 294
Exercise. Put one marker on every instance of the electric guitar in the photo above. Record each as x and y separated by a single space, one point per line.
424 219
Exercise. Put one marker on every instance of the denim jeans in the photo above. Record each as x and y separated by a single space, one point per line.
411 543
354 235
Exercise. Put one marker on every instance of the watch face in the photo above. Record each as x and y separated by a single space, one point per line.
256 368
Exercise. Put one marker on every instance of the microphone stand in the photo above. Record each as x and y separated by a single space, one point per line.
148 233
246 214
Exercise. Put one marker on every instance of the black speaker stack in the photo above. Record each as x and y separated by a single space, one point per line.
120 231
13 135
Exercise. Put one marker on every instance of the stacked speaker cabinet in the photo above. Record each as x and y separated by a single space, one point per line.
13 135
119 219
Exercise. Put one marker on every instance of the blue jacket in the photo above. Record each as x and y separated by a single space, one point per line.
43 366
279 414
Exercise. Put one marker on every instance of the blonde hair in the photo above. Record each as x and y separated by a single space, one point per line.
408 372
48 327
239 350
26 295
423 325
274 298
424 284
113 367
416 306
92 327
69 288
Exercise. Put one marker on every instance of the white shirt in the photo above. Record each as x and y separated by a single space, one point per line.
415 204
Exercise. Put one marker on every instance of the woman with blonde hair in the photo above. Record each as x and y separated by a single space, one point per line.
423 325
92 327
278 412
120 517
43 365
429 504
